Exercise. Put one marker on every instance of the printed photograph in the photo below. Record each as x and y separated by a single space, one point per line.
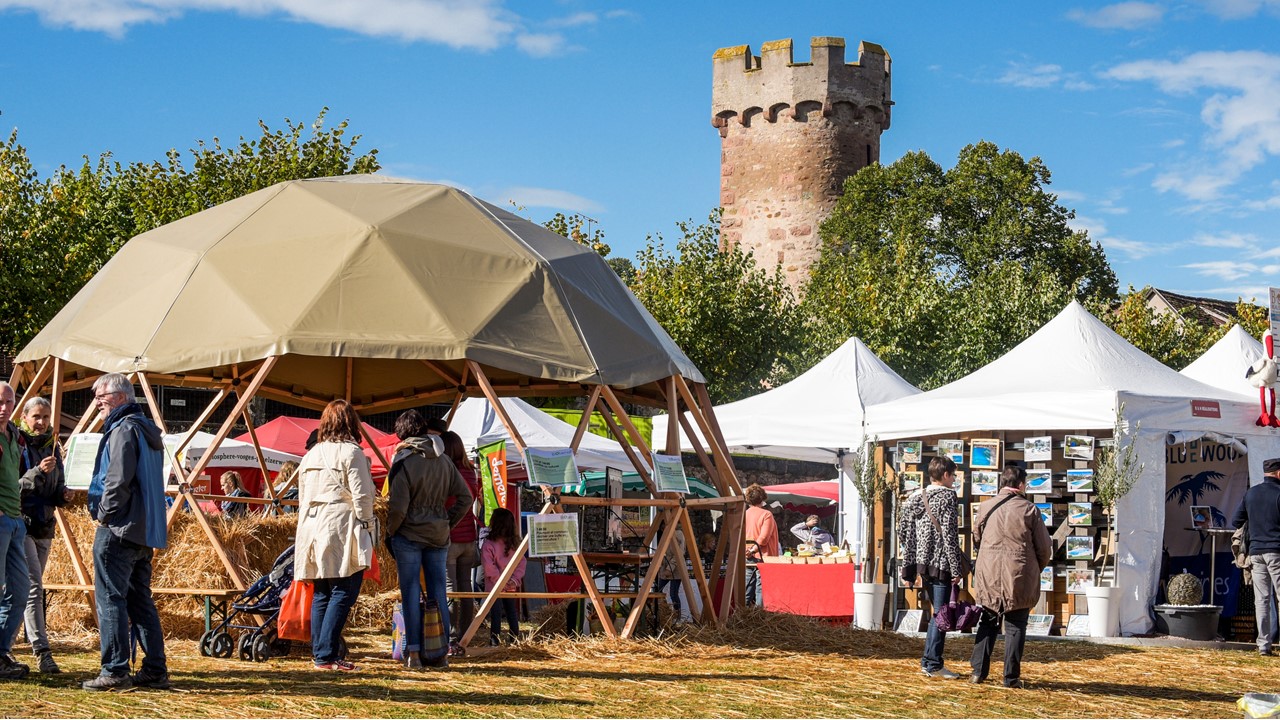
1078 626
1046 579
973 514
1037 449
1039 482
1079 481
952 449
1079 514
1201 516
910 452
1077 447
960 513
985 482
1046 513
1078 581
911 479
1039 624
984 454
1079 548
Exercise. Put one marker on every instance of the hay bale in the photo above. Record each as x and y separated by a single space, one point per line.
251 543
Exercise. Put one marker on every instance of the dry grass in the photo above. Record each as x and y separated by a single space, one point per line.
761 665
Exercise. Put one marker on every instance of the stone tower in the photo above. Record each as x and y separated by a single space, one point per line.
790 135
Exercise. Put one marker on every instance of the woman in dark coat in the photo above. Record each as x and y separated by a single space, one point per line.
43 490
1013 547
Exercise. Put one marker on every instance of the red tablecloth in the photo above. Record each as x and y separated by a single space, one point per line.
813 590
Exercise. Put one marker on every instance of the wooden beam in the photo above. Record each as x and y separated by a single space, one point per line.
646 584
426 396
487 389
485 607
712 471
585 421
673 415
55 419
445 373
262 460
630 452
33 388
73 551
377 452
695 555
204 417
151 402
350 365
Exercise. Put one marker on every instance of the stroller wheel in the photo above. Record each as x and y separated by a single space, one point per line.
206 643
244 646
261 648
221 645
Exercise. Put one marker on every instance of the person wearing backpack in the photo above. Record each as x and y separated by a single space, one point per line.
1013 547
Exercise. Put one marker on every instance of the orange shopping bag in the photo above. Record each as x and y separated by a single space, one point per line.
295 612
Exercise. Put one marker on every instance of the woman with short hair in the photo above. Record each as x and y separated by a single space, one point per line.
335 528
928 537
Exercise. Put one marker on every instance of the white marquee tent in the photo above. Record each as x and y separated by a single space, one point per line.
816 417
477 424
1072 374
1223 365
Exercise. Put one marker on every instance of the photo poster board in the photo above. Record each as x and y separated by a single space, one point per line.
1046 579
1201 516
1040 624
554 467
613 491
984 454
1078 626
1037 449
952 450
1039 482
909 621
1080 547
1080 481
1079 580
553 534
669 474
82 451
1273 295
910 452
1080 514
1077 447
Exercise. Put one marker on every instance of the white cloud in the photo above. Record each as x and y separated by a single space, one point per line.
461 24
1238 9
1070 196
1097 230
1172 144
1226 240
548 198
1229 270
1121 16
1137 169
541 44
1241 114
575 20
1042 76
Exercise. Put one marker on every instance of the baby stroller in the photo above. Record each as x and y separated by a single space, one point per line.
257 642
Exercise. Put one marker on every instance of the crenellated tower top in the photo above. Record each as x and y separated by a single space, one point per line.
791 133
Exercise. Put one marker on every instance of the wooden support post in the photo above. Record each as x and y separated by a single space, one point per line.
585 421
673 417
262 460
492 598
73 551
377 452
151 402
630 452
646 584
695 555
33 388
483 381
55 419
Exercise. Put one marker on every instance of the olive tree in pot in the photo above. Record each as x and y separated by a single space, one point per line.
1116 473
869 480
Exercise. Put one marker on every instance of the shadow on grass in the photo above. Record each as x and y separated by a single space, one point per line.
1147 692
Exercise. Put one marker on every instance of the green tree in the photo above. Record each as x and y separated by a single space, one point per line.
572 227
1174 338
56 233
735 321
941 271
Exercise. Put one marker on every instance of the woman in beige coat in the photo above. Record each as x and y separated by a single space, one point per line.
335 528
1013 547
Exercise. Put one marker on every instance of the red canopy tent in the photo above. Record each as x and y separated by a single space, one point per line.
819 497
289 434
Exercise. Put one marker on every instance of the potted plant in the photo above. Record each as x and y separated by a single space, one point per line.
1116 472
870 482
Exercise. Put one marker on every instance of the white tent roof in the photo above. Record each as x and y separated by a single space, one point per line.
1223 365
478 424
1067 376
812 417
233 454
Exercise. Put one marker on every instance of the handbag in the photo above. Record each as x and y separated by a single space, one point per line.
957 615
294 622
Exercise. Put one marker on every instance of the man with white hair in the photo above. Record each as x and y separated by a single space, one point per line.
126 498
13 538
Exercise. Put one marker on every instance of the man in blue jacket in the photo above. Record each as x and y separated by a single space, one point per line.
126 497
1261 509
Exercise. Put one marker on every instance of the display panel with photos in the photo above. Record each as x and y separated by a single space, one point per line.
1079 580
1039 482
1080 481
1079 547
984 454
952 450
1077 447
1037 449
1080 514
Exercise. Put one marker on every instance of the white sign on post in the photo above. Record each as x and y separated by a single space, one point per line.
554 467
82 451
1274 315
553 534
669 473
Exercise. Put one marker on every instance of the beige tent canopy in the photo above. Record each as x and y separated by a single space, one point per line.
390 294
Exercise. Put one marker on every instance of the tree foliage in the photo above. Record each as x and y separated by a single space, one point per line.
55 233
734 320
1175 338
941 271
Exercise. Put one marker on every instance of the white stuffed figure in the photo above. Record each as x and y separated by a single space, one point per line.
1263 375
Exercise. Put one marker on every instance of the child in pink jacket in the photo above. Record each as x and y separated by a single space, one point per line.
495 555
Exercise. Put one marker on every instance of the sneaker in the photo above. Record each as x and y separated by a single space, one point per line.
150 679
45 663
343 666
11 669
1014 684
943 673
977 679
108 683
456 650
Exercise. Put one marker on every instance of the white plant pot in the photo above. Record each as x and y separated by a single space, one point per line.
1104 611
868 605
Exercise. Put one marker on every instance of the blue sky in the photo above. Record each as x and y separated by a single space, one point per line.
1159 120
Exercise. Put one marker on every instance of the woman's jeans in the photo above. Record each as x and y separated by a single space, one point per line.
508 607
672 586
411 559
332 603
939 592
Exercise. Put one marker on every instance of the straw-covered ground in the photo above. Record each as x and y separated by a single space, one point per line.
760 665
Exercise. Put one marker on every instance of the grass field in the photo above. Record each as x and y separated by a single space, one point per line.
761 665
